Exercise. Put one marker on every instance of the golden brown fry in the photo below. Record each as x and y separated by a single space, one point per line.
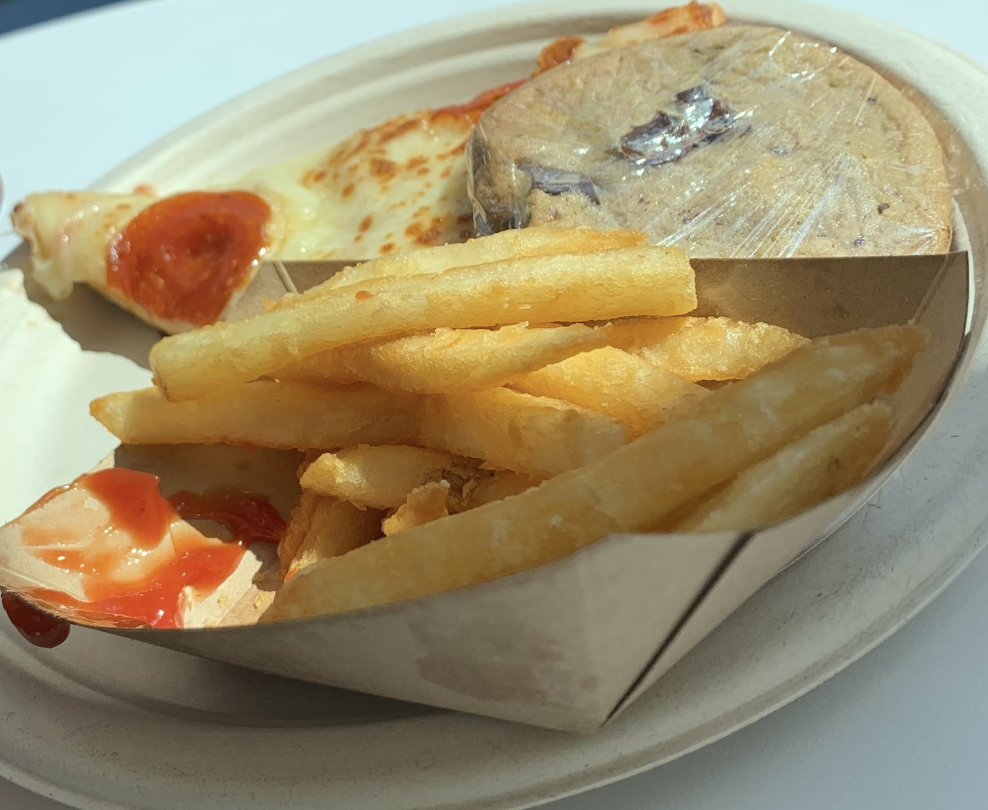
447 359
532 435
826 461
496 485
423 505
635 281
537 436
335 527
703 348
376 476
614 382
267 414
325 368
383 476
298 527
498 247
298 522
631 489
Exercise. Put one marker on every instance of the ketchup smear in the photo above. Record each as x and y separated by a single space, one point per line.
156 600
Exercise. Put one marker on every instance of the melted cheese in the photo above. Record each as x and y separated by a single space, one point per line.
69 234
393 188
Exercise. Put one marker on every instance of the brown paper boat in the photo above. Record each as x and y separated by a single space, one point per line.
569 644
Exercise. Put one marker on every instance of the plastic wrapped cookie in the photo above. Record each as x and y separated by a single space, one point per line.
737 141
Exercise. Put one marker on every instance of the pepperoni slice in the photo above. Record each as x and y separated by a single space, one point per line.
184 256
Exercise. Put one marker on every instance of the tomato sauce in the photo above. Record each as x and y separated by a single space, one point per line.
157 597
183 257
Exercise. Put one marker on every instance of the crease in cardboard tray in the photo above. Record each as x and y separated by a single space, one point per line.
564 645
704 616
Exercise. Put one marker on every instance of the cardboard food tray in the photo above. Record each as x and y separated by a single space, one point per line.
569 644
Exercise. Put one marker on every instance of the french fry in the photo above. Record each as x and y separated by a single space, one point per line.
532 435
298 521
630 489
266 414
614 382
383 476
297 529
618 283
379 477
335 527
447 359
536 436
471 484
703 348
495 486
498 247
325 368
826 461
423 505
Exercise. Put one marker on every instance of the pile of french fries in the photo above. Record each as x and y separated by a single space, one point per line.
473 410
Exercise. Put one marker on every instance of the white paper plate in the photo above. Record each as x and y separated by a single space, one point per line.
106 723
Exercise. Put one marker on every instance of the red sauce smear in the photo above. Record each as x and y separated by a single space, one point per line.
156 599
250 517
182 257
475 107
40 628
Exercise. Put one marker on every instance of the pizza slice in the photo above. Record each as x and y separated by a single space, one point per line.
181 261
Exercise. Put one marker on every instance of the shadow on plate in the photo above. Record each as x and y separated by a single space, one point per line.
92 321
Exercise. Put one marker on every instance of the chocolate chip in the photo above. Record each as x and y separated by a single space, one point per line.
694 94
490 213
882 208
721 118
667 137
478 153
661 140
483 229
559 181
859 241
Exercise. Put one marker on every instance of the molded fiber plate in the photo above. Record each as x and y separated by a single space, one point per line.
106 723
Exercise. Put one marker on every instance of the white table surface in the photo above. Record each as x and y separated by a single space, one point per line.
906 727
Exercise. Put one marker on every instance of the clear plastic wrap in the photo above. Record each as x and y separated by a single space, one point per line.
737 141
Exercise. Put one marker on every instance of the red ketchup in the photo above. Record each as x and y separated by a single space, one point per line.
40 628
156 598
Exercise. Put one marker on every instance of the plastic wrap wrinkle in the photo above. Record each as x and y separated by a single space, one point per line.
739 141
